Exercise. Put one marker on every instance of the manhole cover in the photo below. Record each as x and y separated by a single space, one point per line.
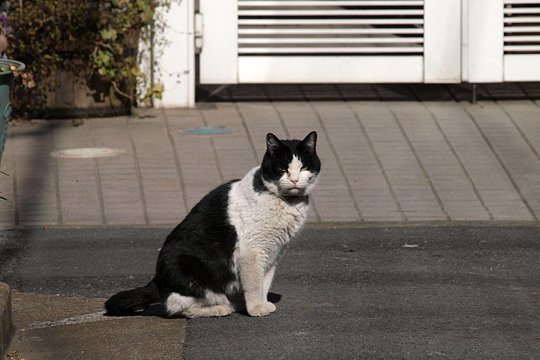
206 131
87 153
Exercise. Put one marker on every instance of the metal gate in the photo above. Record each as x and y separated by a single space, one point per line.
330 41
503 41
521 40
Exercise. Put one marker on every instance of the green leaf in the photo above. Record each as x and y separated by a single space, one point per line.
108 34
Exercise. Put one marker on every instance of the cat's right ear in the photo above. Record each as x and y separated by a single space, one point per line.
272 143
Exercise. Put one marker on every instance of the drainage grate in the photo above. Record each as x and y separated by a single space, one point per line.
220 130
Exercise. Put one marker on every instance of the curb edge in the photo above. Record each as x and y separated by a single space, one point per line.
6 320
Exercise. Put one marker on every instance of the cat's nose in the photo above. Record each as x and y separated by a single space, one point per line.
294 181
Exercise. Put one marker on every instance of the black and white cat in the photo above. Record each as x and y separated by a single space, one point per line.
222 257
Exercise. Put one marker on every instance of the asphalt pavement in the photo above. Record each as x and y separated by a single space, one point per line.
342 292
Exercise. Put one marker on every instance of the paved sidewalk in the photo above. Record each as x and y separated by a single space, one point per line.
51 327
397 162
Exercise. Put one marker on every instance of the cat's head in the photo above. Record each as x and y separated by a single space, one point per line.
290 167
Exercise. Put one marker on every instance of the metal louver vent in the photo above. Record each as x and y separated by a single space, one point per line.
331 27
521 27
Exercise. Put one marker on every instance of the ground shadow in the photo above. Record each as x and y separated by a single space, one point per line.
159 310
367 92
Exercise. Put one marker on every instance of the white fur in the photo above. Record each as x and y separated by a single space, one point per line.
211 305
265 222
294 170
296 181
177 303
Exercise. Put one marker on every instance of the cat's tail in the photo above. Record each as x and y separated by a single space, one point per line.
129 301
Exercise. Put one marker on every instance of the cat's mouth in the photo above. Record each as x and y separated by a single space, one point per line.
295 191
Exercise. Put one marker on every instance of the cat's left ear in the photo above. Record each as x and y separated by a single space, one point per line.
310 141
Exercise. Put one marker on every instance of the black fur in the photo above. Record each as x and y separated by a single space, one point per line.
280 153
258 184
196 256
129 301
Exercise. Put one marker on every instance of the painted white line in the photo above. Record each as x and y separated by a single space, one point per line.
81 319
410 246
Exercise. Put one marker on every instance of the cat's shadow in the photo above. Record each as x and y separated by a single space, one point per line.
159 310
274 298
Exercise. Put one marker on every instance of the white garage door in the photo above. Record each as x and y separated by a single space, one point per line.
333 41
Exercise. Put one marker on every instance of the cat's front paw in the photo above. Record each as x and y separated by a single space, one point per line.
261 309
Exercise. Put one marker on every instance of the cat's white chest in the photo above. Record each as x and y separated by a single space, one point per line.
286 216
264 222
253 213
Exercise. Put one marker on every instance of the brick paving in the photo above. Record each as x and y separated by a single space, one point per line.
429 159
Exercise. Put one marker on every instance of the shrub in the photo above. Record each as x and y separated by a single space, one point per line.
94 39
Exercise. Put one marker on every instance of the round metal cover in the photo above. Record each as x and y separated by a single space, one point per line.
87 153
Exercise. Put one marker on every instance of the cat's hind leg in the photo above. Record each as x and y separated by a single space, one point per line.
208 311
211 305
176 304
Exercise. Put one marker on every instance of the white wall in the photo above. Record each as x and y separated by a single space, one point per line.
175 62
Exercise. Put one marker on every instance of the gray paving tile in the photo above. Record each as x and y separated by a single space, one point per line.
479 161
154 150
260 119
235 155
7 190
434 153
118 176
35 175
196 158
464 209
511 148
78 193
396 157
525 115
352 150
